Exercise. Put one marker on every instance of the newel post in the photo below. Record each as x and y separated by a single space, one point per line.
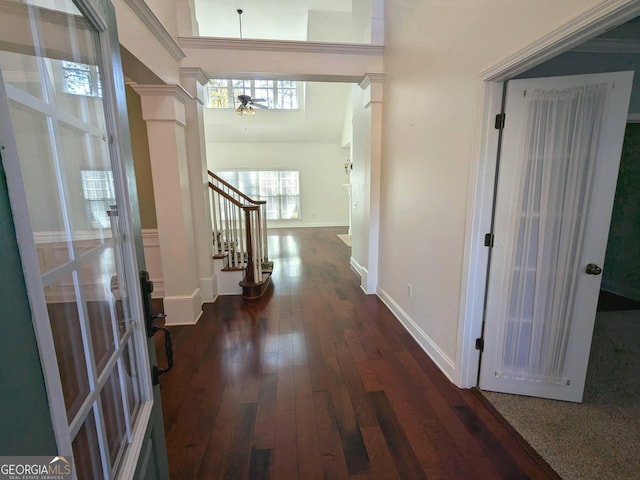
250 277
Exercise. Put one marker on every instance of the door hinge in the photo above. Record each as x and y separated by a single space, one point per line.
488 240
500 118
480 344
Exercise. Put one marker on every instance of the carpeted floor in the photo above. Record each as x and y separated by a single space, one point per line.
600 438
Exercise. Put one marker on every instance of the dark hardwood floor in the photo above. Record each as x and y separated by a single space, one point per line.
318 380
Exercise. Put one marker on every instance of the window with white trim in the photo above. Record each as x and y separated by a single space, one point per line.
81 79
275 94
99 194
280 189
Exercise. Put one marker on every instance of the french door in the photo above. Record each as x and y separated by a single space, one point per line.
560 155
65 152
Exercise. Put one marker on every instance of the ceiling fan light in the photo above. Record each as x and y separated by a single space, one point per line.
250 111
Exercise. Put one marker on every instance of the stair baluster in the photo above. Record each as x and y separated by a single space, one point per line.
240 233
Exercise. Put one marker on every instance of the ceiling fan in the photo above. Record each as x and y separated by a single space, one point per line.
247 103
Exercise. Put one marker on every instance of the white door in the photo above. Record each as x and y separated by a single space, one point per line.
558 169
63 152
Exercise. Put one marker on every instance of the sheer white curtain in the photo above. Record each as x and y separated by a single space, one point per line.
558 154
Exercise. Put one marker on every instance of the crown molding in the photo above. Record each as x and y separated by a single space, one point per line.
146 15
610 45
589 24
195 73
174 90
216 43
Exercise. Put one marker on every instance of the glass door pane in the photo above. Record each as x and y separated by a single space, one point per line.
50 66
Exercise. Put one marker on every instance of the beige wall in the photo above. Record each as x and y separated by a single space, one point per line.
141 160
434 52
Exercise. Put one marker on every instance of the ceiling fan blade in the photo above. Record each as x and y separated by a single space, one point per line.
258 105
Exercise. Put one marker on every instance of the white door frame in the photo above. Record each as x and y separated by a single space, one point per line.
591 23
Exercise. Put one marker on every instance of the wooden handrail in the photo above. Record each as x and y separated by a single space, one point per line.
242 241
231 199
234 189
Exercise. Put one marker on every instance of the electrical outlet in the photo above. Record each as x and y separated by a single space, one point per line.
410 290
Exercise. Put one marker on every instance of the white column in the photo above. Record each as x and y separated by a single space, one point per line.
163 108
373 89
193 81
348 187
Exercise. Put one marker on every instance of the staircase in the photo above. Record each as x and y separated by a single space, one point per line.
239 239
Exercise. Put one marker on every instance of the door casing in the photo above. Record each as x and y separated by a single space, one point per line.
483 171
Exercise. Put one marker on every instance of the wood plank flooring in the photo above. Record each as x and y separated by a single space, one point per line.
319 381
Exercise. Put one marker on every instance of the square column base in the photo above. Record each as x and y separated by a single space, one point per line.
209 288
183 309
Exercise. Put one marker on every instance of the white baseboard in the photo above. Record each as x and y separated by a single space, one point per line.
152 260
362 272
209 288
229 282
158 288
443 362
183 309
303 224
356 266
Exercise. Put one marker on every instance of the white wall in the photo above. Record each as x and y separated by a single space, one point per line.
325 26
361 21
166 13
324 200
434 52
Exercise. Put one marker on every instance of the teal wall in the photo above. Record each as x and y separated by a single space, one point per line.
622 263
25 423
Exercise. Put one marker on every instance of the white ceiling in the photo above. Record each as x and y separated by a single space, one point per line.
264 19
320 120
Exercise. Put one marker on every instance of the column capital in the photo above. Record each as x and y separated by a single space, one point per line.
171 90
372 84
194 80
195 73
163 102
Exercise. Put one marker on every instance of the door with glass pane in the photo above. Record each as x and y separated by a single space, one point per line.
65 157
558 169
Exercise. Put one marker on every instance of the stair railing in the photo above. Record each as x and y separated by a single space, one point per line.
237 230
239 227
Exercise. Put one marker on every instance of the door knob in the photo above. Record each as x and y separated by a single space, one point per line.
593 269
